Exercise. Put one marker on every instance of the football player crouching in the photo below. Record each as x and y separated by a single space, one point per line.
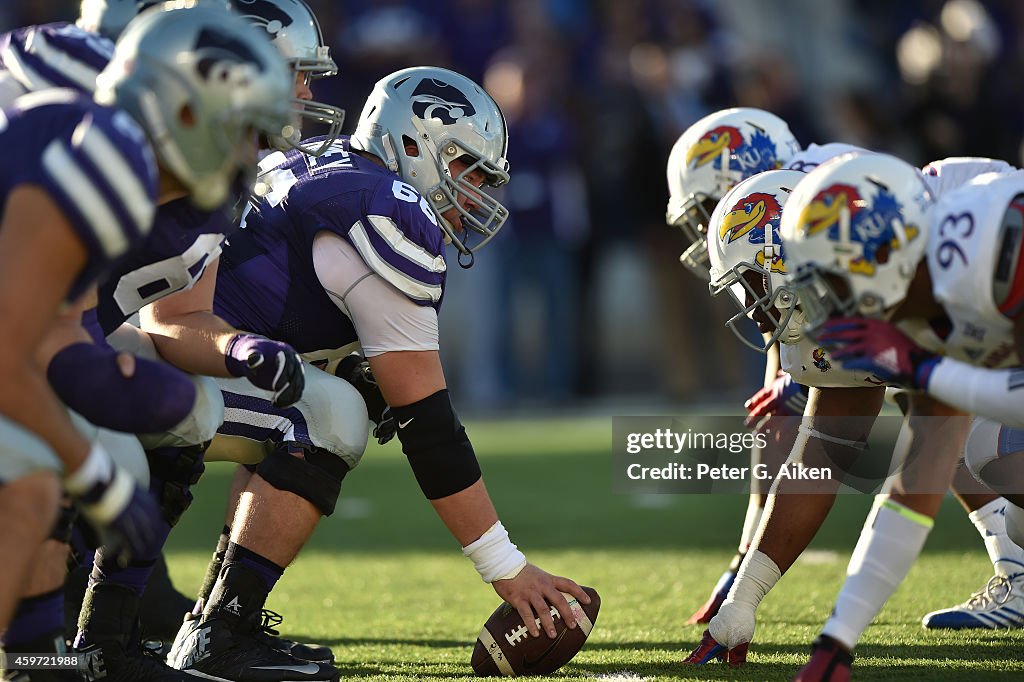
970 277
841 409
710 158
369 220
98 206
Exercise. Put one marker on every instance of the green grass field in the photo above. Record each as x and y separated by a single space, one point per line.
384 584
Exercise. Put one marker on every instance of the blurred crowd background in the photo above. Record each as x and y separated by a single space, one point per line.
581 299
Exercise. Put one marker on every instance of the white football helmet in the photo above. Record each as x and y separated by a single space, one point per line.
446 116
746 254
201 82
710 158
854 230
296 33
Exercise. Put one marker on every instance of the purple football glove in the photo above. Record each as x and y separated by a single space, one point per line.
880 348
268 364
125 514
782 398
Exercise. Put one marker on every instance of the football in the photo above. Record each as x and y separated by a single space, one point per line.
505 648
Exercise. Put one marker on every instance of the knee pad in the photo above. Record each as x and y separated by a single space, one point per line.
312 473
987 441
174 472
199 425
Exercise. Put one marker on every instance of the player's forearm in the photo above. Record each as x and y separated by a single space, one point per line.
468 513
994 393
195 342
26 398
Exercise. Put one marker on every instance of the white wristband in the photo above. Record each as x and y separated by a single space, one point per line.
97 468
494 556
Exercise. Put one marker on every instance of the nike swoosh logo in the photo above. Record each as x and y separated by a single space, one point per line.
307 669
530 664
402 425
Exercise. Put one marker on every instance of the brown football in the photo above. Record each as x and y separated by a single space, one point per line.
505 648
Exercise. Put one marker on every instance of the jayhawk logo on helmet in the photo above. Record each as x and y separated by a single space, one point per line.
821 359
871 224
753 156
752 217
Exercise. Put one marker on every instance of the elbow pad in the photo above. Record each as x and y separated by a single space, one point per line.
436 444
87 379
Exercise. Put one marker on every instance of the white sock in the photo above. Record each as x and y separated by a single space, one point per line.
750 524
1015 523
888 545
990 520
734 623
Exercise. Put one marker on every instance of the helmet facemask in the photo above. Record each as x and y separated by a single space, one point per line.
312 111
487 215
692 219
824 294
758 297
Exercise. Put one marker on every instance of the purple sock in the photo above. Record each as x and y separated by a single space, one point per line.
265 568
36 617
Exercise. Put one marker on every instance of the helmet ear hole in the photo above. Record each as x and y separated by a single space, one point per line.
186 116
411 148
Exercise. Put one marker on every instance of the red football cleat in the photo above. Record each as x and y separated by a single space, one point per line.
709 649
830 662
710 609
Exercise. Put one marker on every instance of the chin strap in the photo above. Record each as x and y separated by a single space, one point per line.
390 155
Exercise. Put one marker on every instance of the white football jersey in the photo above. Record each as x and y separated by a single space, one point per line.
964 249
811 365
946 175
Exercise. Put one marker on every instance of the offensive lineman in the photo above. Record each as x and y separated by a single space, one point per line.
347 250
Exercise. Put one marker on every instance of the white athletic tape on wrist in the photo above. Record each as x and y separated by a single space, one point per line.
97 468
855 444
494 556
114 500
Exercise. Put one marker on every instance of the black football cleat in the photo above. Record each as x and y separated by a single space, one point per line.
110 642
829 662
306 651
210 649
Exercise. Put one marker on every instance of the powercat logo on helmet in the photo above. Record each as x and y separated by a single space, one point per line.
264 14
436 99
219 53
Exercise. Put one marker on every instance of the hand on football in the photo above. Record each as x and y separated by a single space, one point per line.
533 590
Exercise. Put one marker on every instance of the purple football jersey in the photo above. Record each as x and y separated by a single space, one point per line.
58 55
93 161
183 242
267 283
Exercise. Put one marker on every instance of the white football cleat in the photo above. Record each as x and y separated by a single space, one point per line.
999 604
